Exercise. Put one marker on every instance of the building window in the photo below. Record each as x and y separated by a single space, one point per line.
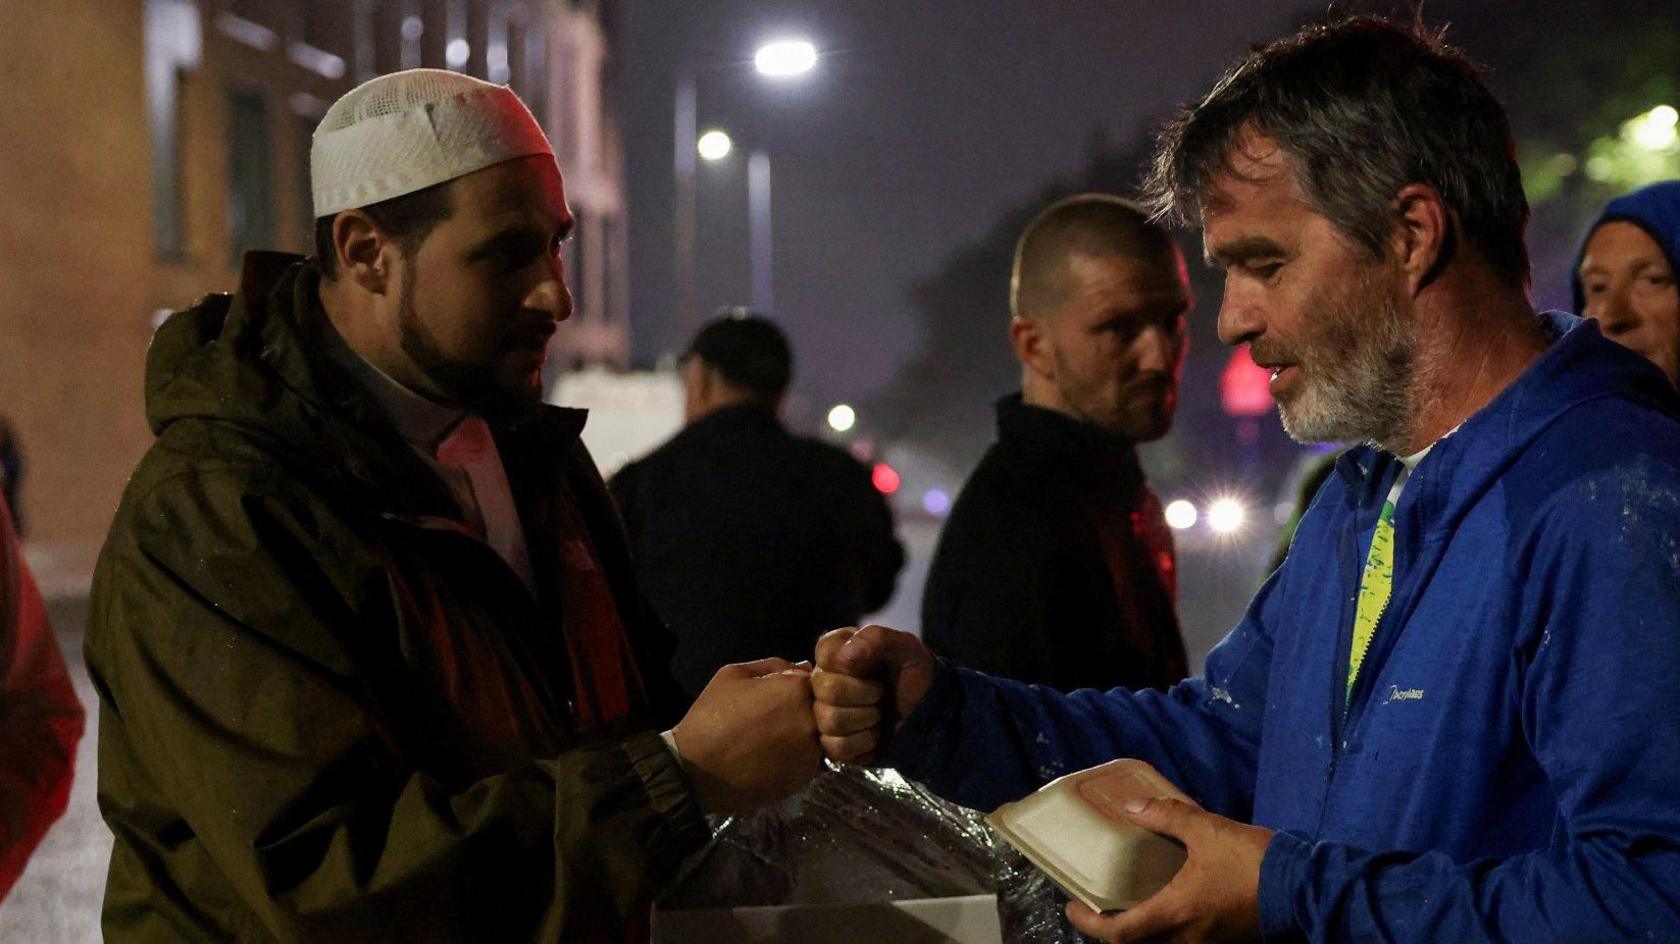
476 30
563 119
304 135
250 173
435 37
518 75
534 69
577 262
364 39
330 26
173 46
397 30
261 12
253 22
169 211
497 59
612 257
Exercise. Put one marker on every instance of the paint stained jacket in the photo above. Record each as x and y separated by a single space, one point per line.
40 718
329 711
1505 769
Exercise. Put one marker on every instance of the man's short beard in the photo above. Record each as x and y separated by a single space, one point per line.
470 387
1129 419
1361 383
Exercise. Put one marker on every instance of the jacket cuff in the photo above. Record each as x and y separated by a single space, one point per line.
1282 873
682 829
909 748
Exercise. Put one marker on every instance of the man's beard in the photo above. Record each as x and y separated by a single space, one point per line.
471 387
1143 413
1358 372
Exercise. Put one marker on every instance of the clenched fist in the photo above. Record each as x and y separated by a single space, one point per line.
750 738
866 682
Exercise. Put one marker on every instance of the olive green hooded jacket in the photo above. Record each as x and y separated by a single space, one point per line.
329 711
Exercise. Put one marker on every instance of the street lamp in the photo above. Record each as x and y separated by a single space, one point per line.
1225 515
1181 514
785 57
714 145
780 59
842 418
1656 129
758 228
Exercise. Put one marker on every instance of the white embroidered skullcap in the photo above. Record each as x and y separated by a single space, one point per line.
406 131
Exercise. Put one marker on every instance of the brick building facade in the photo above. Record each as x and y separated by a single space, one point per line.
149 142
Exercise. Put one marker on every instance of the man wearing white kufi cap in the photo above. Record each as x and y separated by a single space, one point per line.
371 662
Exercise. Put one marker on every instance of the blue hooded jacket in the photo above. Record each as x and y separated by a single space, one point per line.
1508 765
1654 209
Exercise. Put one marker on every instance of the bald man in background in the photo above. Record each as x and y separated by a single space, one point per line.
1056 566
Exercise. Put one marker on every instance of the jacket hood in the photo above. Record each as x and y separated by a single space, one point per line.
1655 209
218 359
1581 365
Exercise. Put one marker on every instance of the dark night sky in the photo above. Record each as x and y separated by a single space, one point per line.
925 120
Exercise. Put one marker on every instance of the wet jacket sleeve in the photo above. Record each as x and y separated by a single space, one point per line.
981 741
40 718
1597 598
223 667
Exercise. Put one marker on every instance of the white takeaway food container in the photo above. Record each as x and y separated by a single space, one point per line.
1074 829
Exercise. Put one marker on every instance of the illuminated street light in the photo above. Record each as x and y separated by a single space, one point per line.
936 502
1181 515
785 57
842 418
714 145
776 60
1225 515
1656 129
457 53
885 478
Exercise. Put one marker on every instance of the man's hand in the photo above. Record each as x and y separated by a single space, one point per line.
750 738
1214 897
867 681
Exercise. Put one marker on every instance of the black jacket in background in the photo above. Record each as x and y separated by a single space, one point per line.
752 542
1056 566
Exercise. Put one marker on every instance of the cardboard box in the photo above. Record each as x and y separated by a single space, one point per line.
971 919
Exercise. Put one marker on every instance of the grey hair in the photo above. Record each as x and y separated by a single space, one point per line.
1362 108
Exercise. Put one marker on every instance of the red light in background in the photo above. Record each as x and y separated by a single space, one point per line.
1245 388
885 479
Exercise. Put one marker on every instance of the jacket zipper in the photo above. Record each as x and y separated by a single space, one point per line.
1352 561
444 525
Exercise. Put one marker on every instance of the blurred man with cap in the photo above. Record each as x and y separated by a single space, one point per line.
371 660
749 540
